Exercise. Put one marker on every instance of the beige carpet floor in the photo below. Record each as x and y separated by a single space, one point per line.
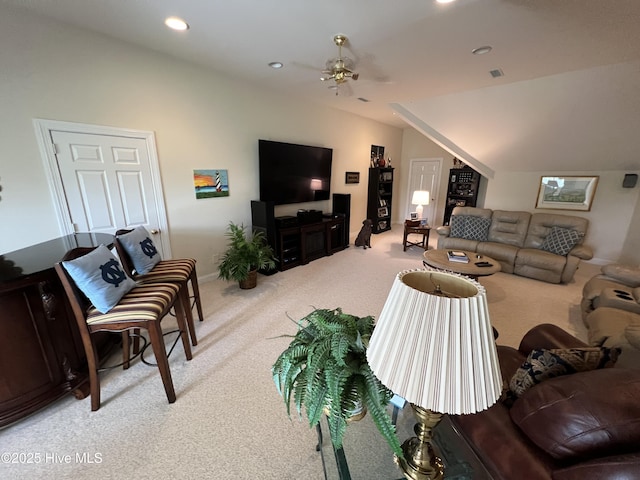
228 420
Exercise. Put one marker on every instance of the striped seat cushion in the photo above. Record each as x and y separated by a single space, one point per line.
144 302
168 271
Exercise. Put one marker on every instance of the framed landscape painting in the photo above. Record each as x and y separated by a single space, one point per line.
211 183
566 193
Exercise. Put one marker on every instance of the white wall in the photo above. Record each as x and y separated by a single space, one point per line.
201 120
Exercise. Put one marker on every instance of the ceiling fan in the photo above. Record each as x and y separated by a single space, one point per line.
339 69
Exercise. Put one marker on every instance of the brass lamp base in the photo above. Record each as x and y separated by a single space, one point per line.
420 461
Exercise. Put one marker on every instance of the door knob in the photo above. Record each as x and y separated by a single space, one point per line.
155 231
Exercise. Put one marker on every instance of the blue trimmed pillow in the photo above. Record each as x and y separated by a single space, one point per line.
143 253
100 277
561 240
470 227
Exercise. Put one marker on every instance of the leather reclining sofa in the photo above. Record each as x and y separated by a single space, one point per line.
572 427
543 246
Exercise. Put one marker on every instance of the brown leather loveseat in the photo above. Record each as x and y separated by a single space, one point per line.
577 426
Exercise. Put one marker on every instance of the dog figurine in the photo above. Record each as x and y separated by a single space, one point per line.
364 237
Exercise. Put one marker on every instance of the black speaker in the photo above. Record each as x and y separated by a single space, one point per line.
630 180
263 220
342 206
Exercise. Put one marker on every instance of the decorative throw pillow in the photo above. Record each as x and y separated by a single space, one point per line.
143 253
544 363
100 277
561 240
477 228
470 227
458 225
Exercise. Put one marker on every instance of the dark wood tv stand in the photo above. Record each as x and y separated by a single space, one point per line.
301 244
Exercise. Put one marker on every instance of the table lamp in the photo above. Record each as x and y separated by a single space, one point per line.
433 345
420 198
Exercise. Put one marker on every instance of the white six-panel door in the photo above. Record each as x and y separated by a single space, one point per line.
424 174
108 181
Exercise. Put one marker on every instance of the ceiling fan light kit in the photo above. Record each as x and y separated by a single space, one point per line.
339 69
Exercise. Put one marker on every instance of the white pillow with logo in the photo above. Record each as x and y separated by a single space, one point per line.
100 276
143 253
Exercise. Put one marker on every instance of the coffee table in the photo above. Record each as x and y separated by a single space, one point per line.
365 454
438 259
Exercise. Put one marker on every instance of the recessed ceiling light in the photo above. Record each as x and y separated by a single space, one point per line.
445 1
276 65
481 50
176 23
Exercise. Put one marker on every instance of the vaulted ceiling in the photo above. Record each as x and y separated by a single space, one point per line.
568 98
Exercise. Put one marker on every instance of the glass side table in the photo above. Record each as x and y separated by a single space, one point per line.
366 455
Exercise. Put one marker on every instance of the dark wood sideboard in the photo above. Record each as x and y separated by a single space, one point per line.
41 353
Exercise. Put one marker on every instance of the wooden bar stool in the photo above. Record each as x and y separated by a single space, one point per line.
181 271
103 300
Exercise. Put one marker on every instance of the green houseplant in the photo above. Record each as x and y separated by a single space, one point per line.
245 256
325 369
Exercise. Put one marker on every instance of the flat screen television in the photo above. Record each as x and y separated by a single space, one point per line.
291 173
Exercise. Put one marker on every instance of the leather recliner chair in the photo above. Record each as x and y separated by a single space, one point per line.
583 425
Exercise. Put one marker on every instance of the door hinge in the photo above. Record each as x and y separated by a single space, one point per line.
55 148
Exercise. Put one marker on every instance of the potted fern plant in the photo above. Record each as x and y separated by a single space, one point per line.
245 255
325 370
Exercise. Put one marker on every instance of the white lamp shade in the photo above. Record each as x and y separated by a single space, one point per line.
420 197
434 351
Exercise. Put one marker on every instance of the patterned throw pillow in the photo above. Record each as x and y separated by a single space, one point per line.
458 224
477 228
100 277
561 240
138 244
470 227
543 364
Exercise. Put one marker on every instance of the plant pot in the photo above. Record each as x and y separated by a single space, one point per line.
354 415
357 413
251 281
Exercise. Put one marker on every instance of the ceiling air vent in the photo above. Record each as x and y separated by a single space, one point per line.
496 73
363 99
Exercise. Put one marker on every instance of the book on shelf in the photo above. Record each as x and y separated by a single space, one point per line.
457 256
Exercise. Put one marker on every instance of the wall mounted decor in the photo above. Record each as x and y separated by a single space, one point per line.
377 156
211 183
352 177
566 193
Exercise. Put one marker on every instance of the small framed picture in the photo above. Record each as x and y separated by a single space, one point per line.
414 215
352 177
